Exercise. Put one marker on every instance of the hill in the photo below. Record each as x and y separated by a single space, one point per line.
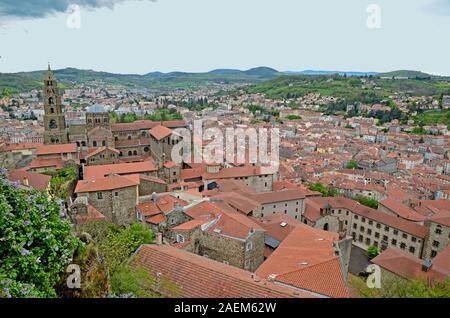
406 73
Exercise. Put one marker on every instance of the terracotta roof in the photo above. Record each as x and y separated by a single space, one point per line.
164 204
92 215
278 225
120 168
100 150
306 260
104 184
194 276
56 149
405 265
236 172
441 262
402 210
442 217
37 163
35 180
160 132
278 196
18 147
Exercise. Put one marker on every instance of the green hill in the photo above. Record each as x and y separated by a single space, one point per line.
406 73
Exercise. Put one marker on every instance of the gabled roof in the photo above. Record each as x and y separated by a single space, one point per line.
56 149
160 132
306 260
406 265
121 168
402 210
35 180
194 276
104 184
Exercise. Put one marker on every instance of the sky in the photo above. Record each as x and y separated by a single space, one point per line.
141 36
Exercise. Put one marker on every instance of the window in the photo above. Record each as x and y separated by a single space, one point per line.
361 228
378 226
180 239
249 246
99 195
412 249
438 231
435 244
103 143
413 239
433 253
360 238
394 242
138 216
367 241
116 194
375 243
386 228
377 235
346 213
354 235
94 143
53 124
396 232
354 226
402 246
370 222
356 217
405 236
369 231
363 220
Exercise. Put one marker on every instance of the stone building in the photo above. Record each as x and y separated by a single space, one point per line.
54 122
438 234
113 196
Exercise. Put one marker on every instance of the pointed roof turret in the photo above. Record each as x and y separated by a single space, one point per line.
49 76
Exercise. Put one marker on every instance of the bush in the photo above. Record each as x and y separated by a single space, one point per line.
371 203
36 241
372 252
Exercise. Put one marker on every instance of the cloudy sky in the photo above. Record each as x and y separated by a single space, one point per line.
126 36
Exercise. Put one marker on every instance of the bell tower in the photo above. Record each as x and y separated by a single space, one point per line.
55 131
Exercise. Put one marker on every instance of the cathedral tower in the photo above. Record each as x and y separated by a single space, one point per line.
54 122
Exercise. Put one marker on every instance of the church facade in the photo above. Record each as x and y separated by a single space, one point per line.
128 141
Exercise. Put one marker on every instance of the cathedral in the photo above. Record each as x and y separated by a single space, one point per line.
126 142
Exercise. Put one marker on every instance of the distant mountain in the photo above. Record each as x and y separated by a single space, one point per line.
317 72
406 73
262 72
225 71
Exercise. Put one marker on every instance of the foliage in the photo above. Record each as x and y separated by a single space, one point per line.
326 192
293 117
396 287
352 165
36 242
372 252
433 117
161 114
63 182
135 281
371 203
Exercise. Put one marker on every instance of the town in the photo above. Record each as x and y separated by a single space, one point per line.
354 184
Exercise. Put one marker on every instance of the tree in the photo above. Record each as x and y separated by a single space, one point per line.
352 165
372 252
36 241
371 203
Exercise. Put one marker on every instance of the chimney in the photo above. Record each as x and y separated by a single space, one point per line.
426 265
25 181
159 238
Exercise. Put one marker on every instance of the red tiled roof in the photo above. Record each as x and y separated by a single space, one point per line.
405 265
120 168
402 210
21 146
35 180
37 163
100 150
56 149
92 215
193 276
306 260
160 132
104 184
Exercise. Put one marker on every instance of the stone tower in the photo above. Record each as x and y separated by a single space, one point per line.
54 122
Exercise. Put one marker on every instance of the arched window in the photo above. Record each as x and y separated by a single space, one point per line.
103 143
116 139
94 143
135 153
50 100
83 143
121 154
146 149
325 227
53 124
130 153
78 144
52 110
